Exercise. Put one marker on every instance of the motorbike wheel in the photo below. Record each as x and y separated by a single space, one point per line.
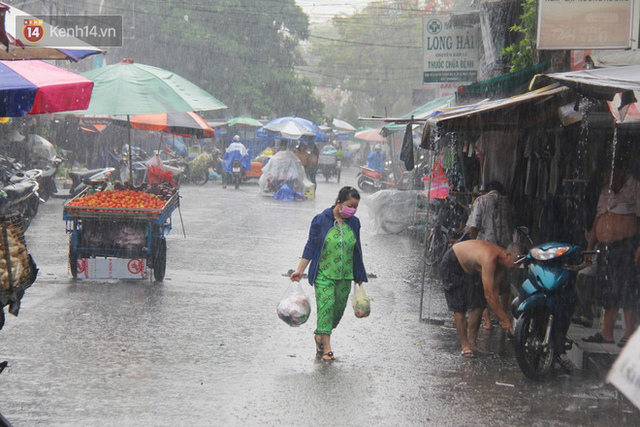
159 258
73 259
364 185
436 247
200 179
338 175
236 182
534 360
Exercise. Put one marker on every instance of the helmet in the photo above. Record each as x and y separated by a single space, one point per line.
378 147
236 138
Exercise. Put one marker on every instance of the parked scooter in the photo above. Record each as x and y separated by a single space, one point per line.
544 307
80 181
371 180
20 195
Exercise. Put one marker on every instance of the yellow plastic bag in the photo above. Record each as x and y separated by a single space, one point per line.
360 301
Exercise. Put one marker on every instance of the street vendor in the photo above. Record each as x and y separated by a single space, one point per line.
235 151
615 233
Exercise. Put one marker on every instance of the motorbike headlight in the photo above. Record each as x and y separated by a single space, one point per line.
551 253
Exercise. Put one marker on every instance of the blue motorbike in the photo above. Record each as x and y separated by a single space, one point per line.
544 307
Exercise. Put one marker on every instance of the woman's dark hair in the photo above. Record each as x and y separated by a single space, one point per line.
347 193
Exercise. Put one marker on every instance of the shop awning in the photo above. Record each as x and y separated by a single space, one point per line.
421 112
602 83
503 112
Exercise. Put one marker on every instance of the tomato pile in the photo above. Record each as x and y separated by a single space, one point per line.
129 199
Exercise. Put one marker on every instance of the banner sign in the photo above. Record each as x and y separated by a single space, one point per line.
112 268
451 52
584 24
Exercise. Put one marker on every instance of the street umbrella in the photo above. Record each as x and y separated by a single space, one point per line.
128 88
293 128
244 121
372 135
12 48
183 124
37 87
342 125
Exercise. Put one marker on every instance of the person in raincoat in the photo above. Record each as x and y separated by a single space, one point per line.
335 254
376 158
235 151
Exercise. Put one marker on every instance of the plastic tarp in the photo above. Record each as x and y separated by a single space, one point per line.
392 211
284 167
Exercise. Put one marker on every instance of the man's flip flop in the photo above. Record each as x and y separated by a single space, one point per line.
598 339
468 353
623 341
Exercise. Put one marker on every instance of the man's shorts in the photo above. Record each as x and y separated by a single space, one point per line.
461 290
617 281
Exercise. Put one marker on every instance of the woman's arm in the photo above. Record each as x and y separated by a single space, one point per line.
302 266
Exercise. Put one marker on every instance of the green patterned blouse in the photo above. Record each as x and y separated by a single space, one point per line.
336 259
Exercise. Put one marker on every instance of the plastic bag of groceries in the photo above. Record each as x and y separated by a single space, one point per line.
360 301
294 307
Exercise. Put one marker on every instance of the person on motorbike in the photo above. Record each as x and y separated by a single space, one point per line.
235 151
377 158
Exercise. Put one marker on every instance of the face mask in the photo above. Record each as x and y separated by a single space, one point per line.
347 212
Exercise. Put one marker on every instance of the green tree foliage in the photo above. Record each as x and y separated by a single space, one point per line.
241 51
369 62
524 54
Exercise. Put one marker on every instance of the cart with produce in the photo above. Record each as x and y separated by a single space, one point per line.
120 233
18 271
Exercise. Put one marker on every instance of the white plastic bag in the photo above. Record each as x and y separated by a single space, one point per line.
360 301
294 307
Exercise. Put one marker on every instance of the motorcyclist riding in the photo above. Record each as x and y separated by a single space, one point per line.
377 158
235 151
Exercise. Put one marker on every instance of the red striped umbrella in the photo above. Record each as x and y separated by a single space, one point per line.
37 87
183 124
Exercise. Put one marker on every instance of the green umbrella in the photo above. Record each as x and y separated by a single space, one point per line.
128 88
246 121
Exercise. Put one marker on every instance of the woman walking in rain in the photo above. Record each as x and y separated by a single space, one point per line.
335 254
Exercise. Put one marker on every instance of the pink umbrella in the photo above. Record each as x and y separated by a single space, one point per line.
372 135
37 87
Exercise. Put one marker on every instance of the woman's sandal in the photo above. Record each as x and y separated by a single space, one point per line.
328 356
319 347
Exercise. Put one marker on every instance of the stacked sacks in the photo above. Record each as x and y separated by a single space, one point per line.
14 258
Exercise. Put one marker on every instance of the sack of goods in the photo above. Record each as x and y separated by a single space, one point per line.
361 302
294 308
15 261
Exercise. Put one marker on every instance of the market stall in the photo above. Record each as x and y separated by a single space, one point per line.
120 234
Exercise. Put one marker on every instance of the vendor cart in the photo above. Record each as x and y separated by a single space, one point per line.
118 243
329 165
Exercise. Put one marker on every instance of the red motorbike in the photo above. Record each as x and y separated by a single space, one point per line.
371 180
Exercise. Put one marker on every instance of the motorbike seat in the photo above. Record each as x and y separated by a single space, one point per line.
79 176
19 189
20 176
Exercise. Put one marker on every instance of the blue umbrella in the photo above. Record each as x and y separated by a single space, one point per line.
293 128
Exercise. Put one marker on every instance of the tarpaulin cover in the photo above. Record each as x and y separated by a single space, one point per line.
284 167
391 210
37 87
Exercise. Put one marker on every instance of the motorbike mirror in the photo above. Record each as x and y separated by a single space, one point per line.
523 230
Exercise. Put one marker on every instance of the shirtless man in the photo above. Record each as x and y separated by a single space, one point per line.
459 269
615 229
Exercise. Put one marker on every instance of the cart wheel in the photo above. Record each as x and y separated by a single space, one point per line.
73 259
200 179
159 255
338 175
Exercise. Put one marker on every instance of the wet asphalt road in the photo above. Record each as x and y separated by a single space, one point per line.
206 348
